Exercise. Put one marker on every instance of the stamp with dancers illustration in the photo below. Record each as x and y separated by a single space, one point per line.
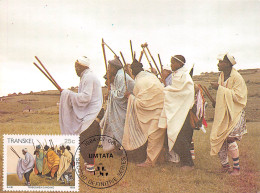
40 163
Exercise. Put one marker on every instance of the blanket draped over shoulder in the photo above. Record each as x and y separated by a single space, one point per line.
114 119
39 160
65 161
79 110
179 99
230 102
25 165
143 111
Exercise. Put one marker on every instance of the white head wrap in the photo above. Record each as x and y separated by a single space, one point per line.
84 61
230 58
25 149
168 67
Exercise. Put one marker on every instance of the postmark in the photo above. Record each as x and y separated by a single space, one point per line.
109 167
40 163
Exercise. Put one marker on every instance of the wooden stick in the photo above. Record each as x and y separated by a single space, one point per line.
207 93
147 57
117 58
59 88
13 150
134 54
33 145
110 49
141 55
105 59
47 77
160 62
40 143
124 68
146 45
131 50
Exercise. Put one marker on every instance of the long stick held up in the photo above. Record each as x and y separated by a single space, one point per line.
105 59
141 55
116 57
204 88
13 150
47 74
131 50
160 62
146 45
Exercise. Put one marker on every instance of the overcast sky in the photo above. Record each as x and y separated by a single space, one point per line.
60 31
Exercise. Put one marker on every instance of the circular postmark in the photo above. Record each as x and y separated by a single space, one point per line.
109 166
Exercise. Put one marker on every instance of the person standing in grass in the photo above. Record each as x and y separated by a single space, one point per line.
78 111
39 159
65 168
114 119
25 166
53 161
143 112
178 100
229 120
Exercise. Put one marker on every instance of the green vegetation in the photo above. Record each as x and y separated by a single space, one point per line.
166 177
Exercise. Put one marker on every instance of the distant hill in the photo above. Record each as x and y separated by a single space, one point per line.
46 101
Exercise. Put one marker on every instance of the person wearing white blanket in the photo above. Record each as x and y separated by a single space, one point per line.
179 99
25 166
78 111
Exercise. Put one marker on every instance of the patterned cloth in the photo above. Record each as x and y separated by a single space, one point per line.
240 128
114 119
237 133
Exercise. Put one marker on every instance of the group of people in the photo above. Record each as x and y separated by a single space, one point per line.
158 115
49 162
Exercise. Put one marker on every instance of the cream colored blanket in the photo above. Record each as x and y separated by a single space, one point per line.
230 101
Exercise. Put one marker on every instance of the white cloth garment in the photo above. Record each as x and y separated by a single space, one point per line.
79 110
25 165
179 99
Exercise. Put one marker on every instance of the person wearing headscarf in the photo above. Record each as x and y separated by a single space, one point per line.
52 160
78 110
229 123
65 168
39 159
25 166
114 119
143 112
179 99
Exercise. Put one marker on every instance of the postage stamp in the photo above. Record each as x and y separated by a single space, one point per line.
109 166
40 163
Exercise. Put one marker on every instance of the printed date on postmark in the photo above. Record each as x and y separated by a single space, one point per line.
40 163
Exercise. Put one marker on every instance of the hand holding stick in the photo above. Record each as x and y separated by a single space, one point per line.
208 94
146 46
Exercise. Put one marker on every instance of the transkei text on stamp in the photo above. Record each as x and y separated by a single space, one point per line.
40 163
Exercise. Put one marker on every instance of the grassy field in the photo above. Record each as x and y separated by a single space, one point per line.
166 177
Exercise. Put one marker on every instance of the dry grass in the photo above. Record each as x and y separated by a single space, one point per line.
165 177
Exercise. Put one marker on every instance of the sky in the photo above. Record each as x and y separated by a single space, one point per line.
59 32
